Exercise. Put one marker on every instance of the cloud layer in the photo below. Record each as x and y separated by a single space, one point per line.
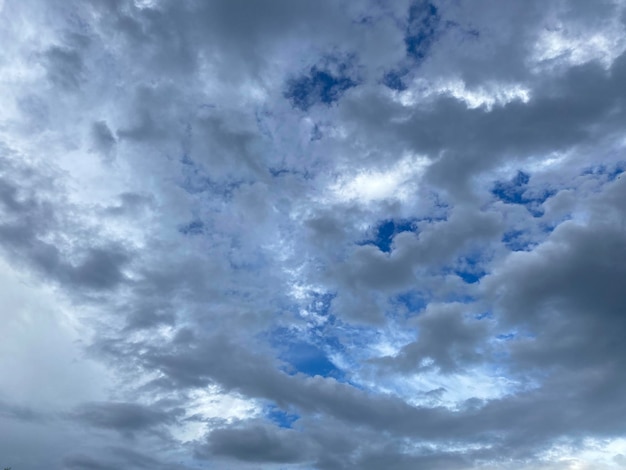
312 235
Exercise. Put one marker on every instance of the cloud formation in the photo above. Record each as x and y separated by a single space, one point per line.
293 235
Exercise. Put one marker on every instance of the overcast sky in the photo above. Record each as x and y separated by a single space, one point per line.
335 235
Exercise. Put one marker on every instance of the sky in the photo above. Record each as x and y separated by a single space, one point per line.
296 235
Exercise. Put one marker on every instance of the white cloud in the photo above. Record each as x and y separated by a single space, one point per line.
212 404
42 361
573 44
486 95
370 185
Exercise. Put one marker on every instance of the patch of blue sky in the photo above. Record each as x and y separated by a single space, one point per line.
303 357
547 228
517 191
386 230
345 337
332 348
363 343
518 240
395 80
470 277
319 302
322 84
421 31
535 197
512 191
609 172
308 359
539 195
280 417
616 172
307 350
336 336
469 268
312 304
535 208
413 301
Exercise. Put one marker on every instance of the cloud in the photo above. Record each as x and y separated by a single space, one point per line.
123 417
256 444
348 235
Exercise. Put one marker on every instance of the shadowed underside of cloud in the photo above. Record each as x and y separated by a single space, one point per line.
285 235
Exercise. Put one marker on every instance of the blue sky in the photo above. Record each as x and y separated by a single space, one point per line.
323 235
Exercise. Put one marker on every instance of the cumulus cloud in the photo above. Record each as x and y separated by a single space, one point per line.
341 235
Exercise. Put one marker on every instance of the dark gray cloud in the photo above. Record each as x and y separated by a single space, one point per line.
565 111
30 218
103 138
117 456
64 66
122 417
449 339
13 411
333 236
80 462
256 444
